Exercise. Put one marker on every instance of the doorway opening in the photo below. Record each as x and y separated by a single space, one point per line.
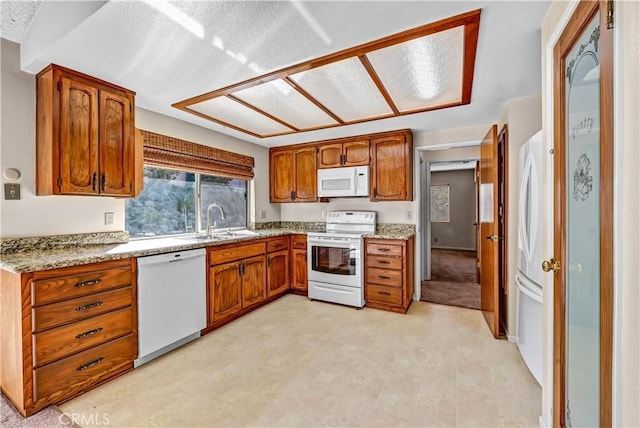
453 208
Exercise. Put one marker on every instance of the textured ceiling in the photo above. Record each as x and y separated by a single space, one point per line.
171 51
16 18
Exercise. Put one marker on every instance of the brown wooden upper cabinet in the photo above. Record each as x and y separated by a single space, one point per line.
292 174
85 136
392 167
352 153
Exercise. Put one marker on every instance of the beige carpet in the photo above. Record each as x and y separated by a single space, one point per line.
453 279
298 363
51 417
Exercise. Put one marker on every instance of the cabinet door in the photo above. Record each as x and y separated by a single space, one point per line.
253 281
299 269
306 175
281 176
356 153
277 272
116 145
330 155
224 291
78 147
391 169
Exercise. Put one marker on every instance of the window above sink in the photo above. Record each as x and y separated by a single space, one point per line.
175 202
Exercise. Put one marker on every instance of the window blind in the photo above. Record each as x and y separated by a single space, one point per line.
169 152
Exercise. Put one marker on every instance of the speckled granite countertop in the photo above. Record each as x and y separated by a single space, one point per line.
22 255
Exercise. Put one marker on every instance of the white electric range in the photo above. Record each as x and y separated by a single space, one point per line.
335 258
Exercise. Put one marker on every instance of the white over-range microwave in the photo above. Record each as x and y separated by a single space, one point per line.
343 182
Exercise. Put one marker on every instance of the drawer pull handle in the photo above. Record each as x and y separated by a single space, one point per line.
89 306
90 364
383 262
384 293
89 333
384 277
278 245
384 250
87 283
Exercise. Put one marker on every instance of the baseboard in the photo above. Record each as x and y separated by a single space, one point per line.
541 422
512 339
452 248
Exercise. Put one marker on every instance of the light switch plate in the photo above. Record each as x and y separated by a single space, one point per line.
11 191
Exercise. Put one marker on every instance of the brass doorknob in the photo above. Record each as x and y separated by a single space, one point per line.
551 265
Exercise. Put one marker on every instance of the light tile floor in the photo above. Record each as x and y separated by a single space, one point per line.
298 363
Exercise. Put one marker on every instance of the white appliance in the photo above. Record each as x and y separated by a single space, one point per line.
343 182
171 301
529 276
335 258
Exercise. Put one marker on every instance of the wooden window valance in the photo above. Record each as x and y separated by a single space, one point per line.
168 152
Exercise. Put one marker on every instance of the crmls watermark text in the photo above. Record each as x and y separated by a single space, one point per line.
99 419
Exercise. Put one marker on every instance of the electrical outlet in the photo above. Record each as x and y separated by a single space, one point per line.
263 214
108 218
408 215
324 215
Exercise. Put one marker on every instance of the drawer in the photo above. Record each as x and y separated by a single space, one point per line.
67 287
59 342
384 262
299 241
390 278
67 311
235 252
384 249
277 244
383 294
86 366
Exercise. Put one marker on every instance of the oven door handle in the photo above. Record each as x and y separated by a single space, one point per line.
332 243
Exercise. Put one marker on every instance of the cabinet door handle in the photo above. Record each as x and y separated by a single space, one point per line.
292 195
384 293
383 262
89 333
384 277
87 283
104 182
375 192
343 159
268 261
90 364
95 181
89 306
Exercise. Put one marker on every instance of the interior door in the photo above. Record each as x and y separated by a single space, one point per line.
583 219
489 227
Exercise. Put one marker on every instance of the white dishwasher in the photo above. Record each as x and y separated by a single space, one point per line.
171 301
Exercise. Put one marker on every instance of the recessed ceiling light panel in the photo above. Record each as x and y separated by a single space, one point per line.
233 113
423 72
346 89
283 101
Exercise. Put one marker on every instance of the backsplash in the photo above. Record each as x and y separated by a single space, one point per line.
303 226
43 243
393 228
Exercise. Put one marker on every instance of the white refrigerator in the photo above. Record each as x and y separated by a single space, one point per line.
529 275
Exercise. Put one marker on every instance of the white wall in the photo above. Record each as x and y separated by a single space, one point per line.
627 213
51 215
523 117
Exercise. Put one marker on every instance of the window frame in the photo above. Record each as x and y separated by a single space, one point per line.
200 225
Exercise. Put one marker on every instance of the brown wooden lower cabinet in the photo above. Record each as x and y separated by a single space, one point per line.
389 275
299 264
278 259
66 330
245 276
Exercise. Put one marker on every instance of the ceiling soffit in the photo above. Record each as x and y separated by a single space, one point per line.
421 69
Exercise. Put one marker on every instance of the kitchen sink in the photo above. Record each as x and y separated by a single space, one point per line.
218 236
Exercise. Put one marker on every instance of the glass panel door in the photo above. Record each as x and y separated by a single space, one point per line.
582 139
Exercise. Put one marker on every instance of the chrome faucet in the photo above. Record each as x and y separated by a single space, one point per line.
211 227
